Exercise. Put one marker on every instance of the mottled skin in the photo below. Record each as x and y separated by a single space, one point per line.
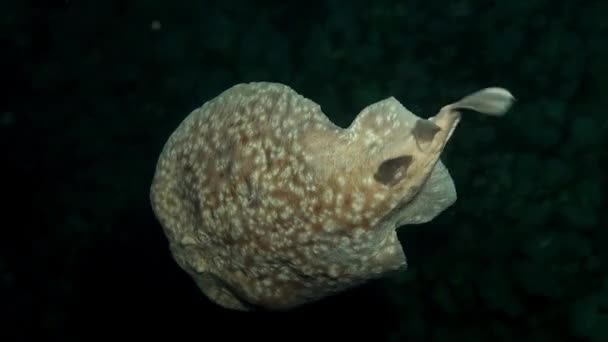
269 205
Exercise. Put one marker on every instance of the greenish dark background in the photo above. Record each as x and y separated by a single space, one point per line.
92 89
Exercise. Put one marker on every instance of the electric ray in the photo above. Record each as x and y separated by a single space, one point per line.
267 204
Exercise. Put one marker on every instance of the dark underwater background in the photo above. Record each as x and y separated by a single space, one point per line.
92 90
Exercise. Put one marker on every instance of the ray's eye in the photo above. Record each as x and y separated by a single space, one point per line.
391 171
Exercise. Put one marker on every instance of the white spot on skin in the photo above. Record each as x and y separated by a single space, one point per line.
339 200
379 120
341 180
283 277
333 271
330 226
328 196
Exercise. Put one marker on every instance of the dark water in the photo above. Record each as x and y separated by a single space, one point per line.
92 89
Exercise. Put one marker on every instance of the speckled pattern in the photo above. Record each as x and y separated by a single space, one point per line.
267 204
